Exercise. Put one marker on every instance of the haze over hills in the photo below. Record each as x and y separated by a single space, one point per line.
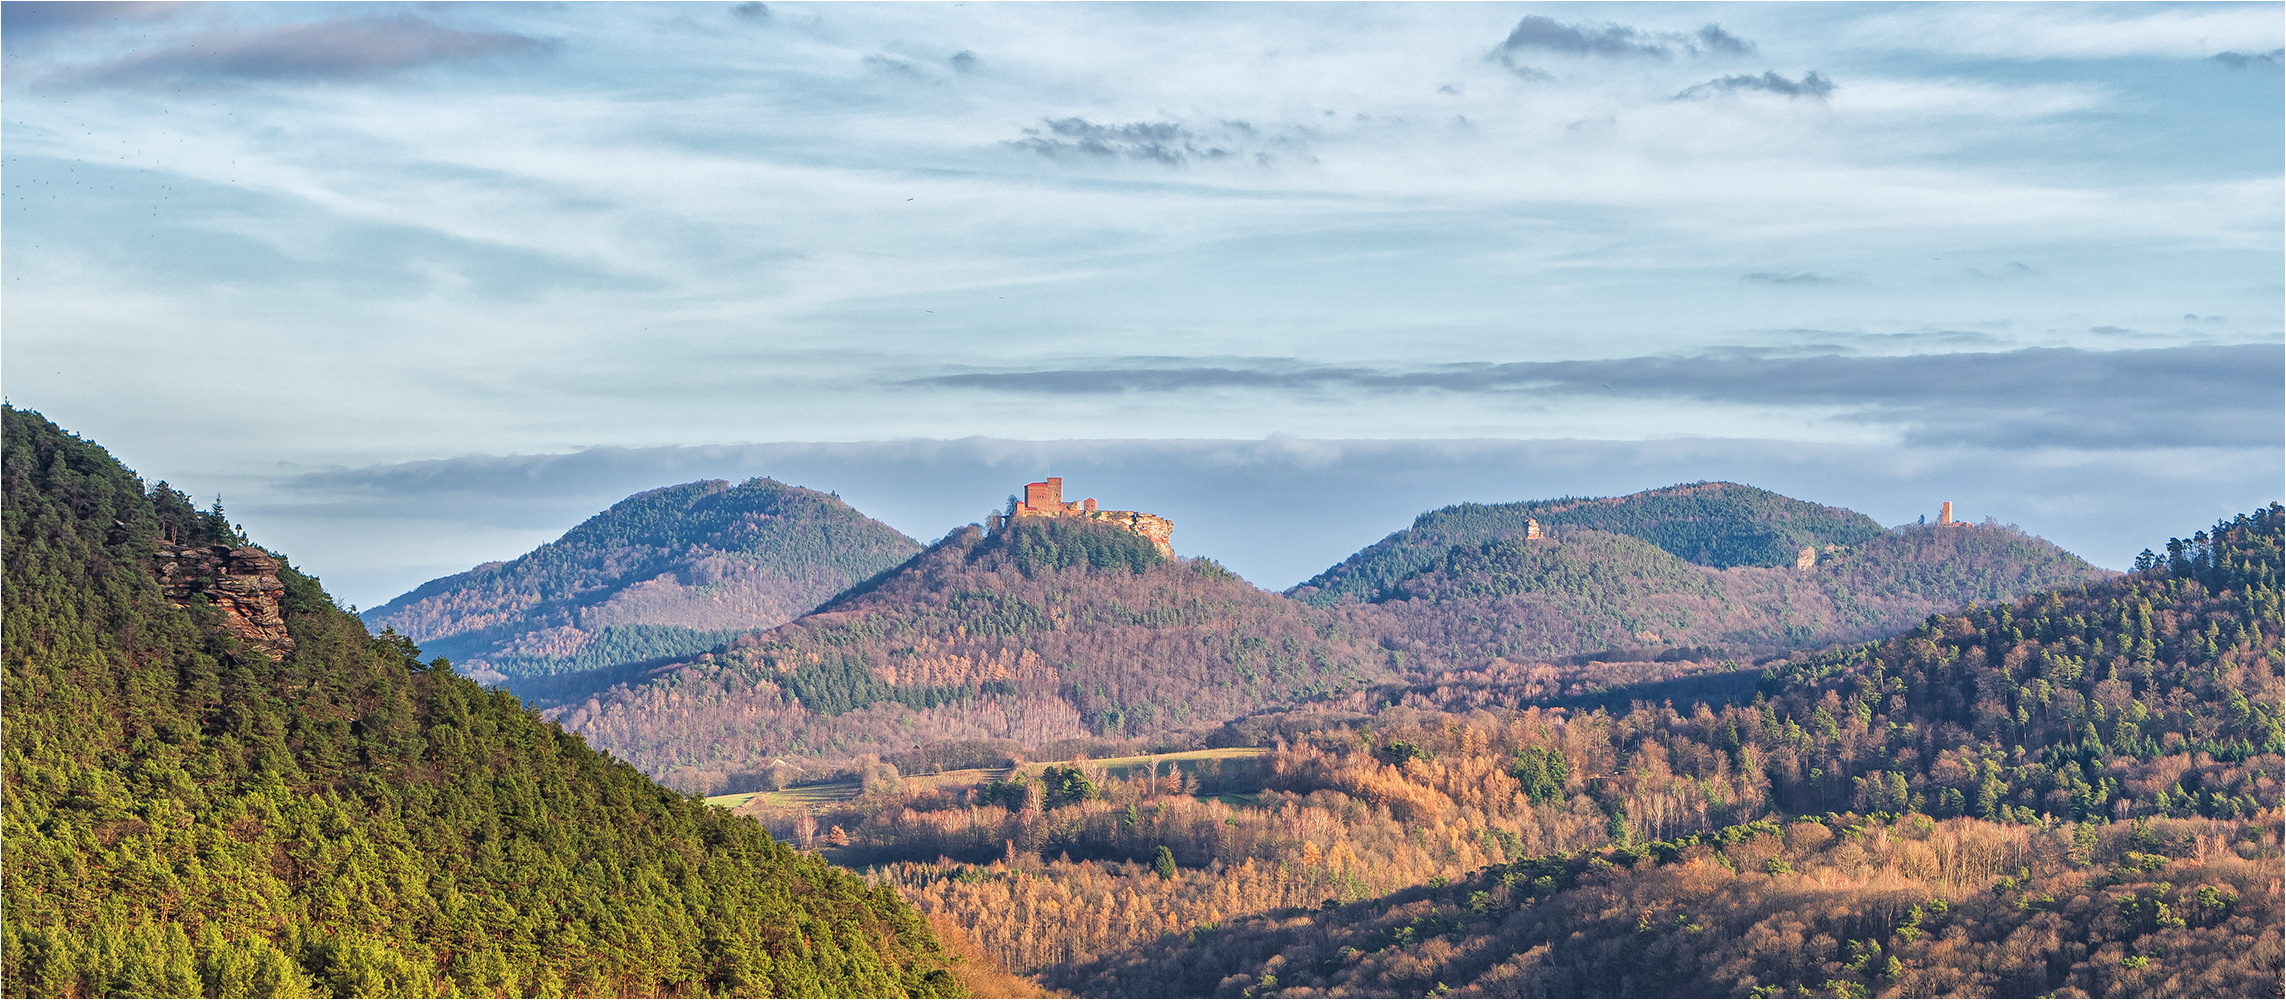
665 573
219 784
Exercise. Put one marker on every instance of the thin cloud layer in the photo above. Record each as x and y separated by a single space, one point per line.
2035 398
347 49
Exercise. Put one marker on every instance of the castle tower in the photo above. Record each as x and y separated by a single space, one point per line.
1946 517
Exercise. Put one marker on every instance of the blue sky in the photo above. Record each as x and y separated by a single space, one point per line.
418 286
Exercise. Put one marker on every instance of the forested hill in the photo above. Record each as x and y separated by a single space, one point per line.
221 785
2073 792
665 573
1044 630
1708 524
1581 591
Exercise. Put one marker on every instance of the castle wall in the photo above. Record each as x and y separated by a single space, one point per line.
1046 499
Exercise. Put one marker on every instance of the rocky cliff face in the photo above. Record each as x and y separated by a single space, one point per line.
241 582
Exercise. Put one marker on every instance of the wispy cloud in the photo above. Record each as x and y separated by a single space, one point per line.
2242 60
1170 143
1813 84
1784 278
2042 397
346 49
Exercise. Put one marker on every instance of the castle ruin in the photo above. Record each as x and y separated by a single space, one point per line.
1046 499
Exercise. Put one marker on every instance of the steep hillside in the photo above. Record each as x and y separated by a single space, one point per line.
2080 789
664 573
1581 591
1709 524
218 784
2120 741
1045 630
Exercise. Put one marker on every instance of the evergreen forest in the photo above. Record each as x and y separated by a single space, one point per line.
187 814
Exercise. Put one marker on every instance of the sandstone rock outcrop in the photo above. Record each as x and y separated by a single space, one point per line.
242 583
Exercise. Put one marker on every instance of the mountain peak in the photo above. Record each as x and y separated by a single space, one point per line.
666 572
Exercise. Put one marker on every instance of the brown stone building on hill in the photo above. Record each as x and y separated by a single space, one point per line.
1046 499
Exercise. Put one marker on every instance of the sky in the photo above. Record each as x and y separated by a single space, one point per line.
414 287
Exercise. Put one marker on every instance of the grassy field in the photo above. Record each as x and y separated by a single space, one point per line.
818 798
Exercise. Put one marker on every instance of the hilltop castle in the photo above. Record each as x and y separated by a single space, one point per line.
1046 499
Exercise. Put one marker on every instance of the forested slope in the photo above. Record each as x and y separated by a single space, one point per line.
188 813
1709 524
1582 591
665 573
2080 789
1042 631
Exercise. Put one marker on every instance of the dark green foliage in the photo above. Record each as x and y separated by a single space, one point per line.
1542 771
184 816
1397 752
1038 544
1711 524
610 646
1163 862
665 573
1066 785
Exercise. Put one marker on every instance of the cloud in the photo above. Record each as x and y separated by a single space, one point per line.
891 65
1777 278
1812 84
2241 60
964 61
1536 33
1546 34
1168 143
2041 397
1713 39
752 10
20 19
349 49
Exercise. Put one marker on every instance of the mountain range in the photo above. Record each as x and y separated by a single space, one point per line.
978 638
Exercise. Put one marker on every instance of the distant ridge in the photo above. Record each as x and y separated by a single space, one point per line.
665 573
1710 524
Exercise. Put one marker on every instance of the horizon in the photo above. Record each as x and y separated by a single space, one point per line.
419 287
